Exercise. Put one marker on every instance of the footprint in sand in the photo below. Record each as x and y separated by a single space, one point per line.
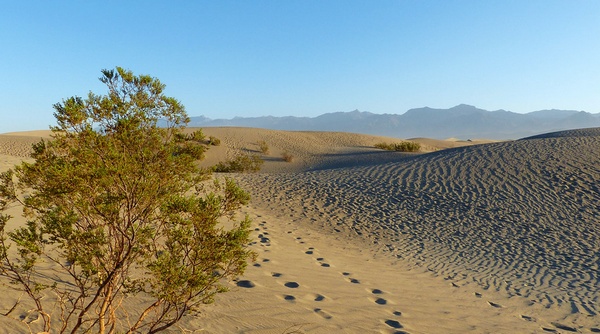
245 284
354 280
291 285
380 301
308 252
289 298
326 265
393 323
323 314
314 297
397 313
276 274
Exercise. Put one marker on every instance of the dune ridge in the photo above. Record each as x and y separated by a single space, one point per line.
313 150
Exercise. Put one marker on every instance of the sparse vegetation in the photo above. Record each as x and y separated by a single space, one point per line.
240 164
196 136
114 210
406 146
263 146
214 141
287 156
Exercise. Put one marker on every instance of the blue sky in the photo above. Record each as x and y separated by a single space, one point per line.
304 58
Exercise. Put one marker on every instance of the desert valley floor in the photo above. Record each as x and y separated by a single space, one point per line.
471 236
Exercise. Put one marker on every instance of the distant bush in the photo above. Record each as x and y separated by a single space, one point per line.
214 141
287 156
240 164
406 146
263 146
385 146
196 136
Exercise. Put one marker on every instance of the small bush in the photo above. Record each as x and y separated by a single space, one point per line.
214 141
406 146
263 146
240 164
287 156
196 136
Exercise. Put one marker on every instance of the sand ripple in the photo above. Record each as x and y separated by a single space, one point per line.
520 217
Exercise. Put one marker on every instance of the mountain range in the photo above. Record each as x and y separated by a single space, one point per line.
462 122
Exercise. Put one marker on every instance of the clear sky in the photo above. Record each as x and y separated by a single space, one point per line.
304 58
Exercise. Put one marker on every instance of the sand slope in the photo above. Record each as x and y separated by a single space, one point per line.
312 150
517 217
495 238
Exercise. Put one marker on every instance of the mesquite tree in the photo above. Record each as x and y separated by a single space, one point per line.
116 206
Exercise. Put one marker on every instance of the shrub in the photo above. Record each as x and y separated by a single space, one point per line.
214 141
385 146
113 210
240 164
191 143
263 146
406 146
287 156
196 136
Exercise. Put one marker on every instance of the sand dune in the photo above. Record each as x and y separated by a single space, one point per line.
494 238
518 217
313 150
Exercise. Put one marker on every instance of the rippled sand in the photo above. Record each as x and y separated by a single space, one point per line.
519 217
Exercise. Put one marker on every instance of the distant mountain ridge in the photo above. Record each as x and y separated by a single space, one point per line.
462 121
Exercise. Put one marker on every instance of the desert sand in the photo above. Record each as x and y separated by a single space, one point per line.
477 236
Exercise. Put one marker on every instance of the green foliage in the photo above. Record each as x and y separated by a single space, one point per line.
263 146
214 141
406 146
240 164
197 136
114 205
